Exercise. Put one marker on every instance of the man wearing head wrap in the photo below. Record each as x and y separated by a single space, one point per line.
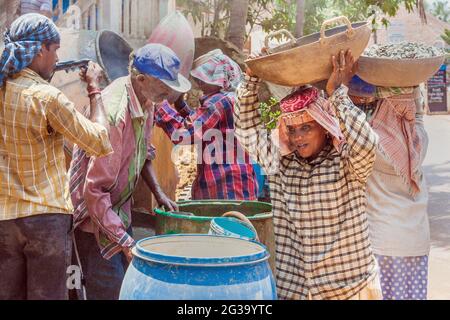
224 170
102 188
397 195
318 161
35 117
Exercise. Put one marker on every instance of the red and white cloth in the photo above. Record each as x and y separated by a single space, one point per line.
218 69
306 105
394 121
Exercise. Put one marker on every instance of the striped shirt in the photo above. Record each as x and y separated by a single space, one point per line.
319 206
35 117
102 188
225 171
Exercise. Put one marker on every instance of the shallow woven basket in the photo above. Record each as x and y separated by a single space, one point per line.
308 59
385 72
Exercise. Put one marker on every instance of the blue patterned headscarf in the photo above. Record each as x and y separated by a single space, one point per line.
359 88
23 41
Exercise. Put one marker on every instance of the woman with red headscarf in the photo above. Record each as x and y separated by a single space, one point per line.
317 161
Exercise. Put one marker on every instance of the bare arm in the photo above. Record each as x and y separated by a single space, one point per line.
149 176
361 140
92 76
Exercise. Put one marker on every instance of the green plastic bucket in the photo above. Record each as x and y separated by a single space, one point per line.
195 217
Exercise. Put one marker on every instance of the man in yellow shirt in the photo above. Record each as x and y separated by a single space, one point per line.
35 117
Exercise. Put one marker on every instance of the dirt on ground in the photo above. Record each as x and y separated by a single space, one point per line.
186 164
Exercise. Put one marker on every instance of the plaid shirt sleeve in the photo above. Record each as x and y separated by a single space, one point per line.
361 140
102 175
187 130
65 119
249 127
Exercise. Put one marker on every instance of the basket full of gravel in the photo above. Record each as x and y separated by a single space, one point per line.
403 64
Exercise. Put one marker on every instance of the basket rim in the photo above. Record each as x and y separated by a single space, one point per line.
260 216
399 60
364 24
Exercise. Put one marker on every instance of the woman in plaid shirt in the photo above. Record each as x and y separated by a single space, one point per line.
318 161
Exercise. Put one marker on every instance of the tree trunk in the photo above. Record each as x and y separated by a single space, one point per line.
215 23
300 18
238 21
374 30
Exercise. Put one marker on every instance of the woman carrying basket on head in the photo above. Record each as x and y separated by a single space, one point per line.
317 162
397 193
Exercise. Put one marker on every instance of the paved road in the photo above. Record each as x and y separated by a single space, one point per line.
437 170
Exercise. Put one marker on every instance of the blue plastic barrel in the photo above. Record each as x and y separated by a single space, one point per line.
198 267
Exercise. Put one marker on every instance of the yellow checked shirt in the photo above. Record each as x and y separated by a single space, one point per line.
34 119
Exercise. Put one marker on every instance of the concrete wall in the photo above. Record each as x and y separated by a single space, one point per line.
133 19
9 11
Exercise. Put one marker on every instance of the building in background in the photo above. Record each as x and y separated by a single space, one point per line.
9 11
43 7
133 19
409 27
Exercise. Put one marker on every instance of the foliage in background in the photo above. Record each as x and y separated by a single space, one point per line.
317 11
446 36
197 9
441 10
281 14
270 112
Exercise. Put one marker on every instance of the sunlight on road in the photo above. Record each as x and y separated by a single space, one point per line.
437 170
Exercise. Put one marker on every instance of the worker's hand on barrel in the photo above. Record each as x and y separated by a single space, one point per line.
165 202
344 68
128 254
93 75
